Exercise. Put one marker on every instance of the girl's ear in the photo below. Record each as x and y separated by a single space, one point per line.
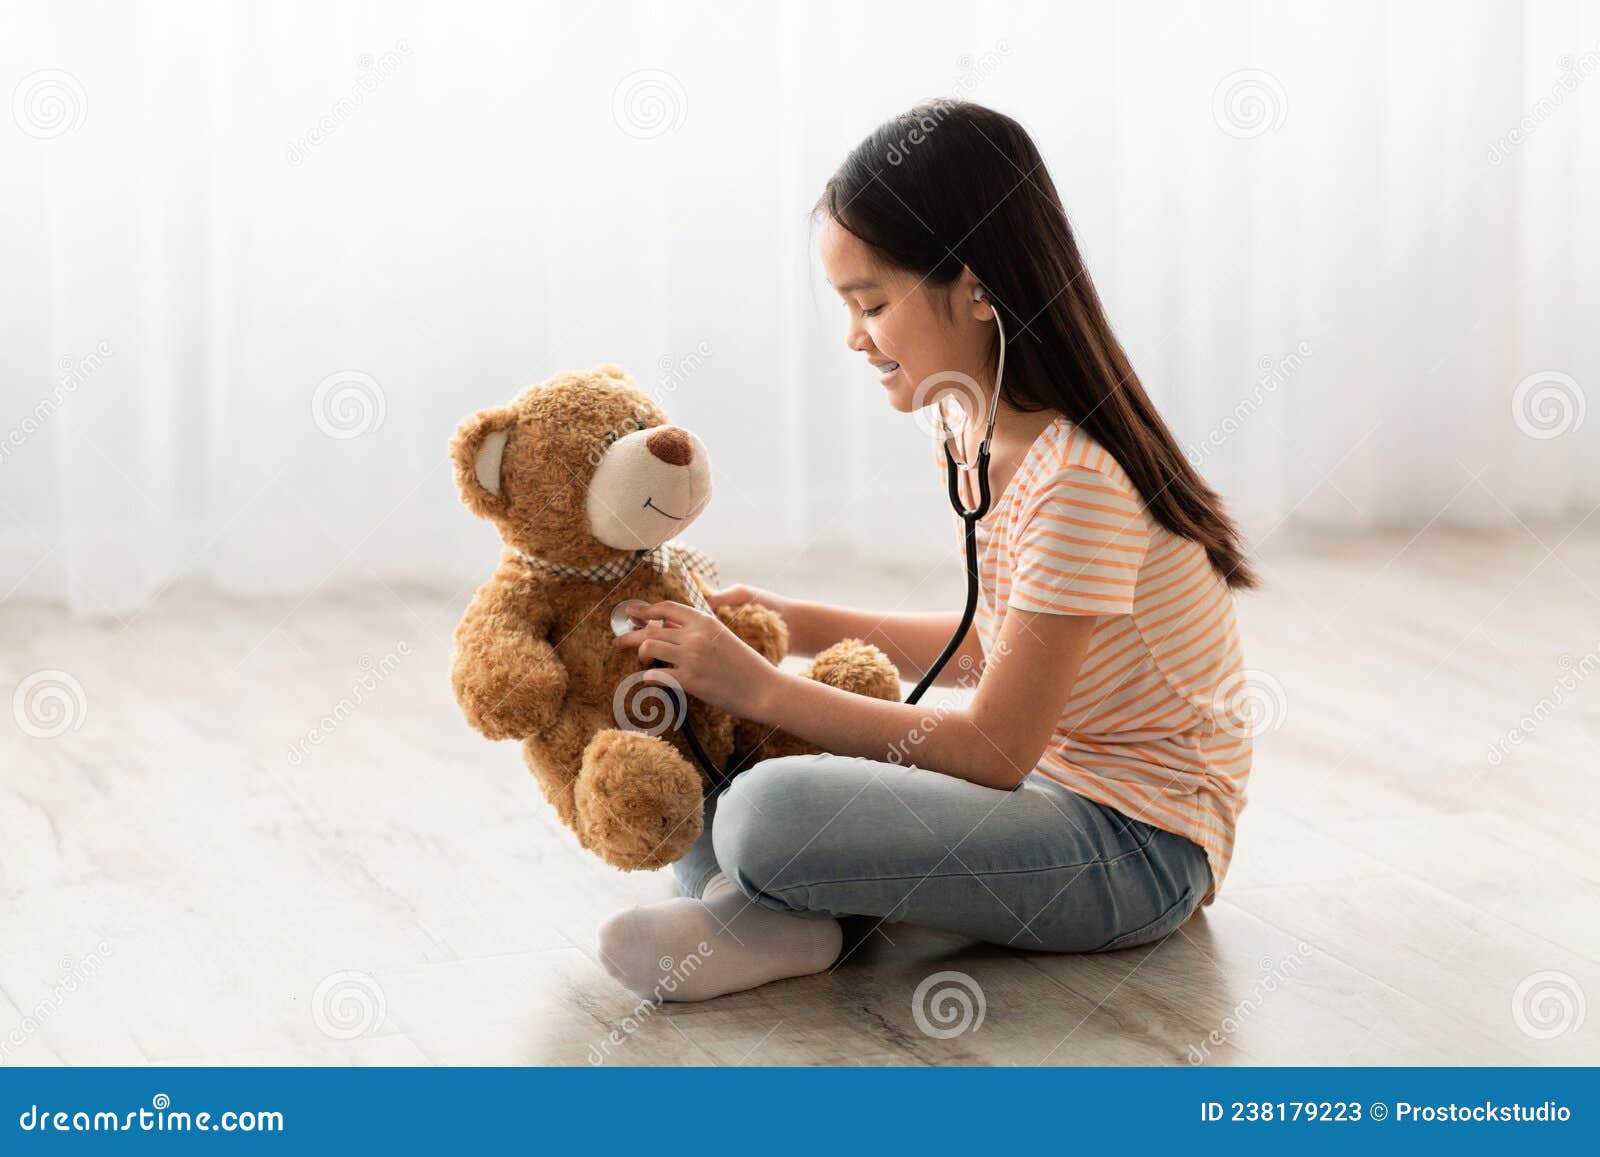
477 452
970 296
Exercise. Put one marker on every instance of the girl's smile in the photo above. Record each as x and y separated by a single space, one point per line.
908 328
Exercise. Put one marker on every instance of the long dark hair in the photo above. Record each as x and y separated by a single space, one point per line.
951 184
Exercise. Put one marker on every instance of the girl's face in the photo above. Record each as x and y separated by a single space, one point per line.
910 330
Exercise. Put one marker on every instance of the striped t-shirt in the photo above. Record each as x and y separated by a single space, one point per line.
1147 729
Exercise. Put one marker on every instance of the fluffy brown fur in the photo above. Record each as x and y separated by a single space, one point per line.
534 659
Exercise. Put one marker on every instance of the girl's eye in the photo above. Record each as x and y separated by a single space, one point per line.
873 312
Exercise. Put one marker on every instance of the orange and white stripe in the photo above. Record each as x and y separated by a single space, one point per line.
1140 732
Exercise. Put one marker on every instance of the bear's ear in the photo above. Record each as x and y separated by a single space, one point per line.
477 450
616 373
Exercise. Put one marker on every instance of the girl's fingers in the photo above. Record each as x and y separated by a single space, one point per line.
653 649
728 597
638 635
675 613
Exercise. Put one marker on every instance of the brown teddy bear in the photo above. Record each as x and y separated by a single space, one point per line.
588 483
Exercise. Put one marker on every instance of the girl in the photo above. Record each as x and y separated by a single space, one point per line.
1086 799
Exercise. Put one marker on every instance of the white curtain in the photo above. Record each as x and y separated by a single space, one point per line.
259 260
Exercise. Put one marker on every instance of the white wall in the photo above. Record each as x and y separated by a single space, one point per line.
495 208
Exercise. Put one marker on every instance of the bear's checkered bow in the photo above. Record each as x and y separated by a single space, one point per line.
670 558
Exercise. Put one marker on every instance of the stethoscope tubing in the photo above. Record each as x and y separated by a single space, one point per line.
969 517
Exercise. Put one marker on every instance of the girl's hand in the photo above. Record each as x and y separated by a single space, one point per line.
703 658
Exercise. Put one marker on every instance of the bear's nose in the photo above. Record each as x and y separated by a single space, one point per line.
671 444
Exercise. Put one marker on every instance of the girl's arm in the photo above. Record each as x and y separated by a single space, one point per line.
995 741
912 640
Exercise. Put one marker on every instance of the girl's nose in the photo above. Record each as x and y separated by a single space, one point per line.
856 337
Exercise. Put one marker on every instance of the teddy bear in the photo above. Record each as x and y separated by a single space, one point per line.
589 485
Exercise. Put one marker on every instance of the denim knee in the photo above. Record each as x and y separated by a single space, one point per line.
759 833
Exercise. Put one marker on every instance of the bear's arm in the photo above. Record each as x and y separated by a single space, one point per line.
507 678
762 628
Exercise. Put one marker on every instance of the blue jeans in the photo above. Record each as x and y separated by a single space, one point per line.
1039 869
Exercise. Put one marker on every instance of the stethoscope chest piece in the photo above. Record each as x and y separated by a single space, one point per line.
623 614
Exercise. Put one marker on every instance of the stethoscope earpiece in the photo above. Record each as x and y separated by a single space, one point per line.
982 460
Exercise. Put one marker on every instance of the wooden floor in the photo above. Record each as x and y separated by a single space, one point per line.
265 836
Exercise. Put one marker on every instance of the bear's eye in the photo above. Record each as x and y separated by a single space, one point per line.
608 440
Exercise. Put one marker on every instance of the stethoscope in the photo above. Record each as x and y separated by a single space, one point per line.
622 613
969 518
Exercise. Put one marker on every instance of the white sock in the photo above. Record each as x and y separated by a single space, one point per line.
688 950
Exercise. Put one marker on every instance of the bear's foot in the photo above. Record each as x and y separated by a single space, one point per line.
638 801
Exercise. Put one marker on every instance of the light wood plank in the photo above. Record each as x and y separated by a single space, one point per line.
231 866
